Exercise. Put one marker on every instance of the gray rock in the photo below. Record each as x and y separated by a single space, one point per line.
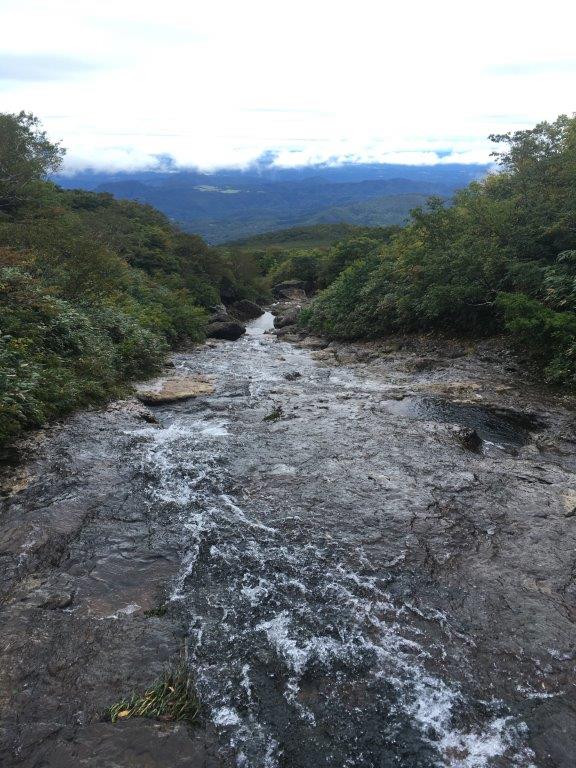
418 364
290 289
287 318
230 330
245 310
469 438
172 389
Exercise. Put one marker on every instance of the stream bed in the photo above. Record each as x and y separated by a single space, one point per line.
352 587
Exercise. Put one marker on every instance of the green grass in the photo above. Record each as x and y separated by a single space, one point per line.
275 414
170 699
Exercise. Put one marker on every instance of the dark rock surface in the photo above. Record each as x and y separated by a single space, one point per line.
245 310
289 317
293 290
469 438
222 325
83 557
230 330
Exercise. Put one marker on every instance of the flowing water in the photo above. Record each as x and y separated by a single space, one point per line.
310 637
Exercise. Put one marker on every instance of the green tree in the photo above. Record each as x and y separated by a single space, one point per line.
26 156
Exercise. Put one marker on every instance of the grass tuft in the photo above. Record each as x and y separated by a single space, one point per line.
275 414
169 699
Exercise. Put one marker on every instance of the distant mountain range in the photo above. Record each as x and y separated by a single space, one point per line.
231 204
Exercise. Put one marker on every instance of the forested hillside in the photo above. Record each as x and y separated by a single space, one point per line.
231 204
93 291
502 258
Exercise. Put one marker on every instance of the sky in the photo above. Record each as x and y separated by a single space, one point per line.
125 83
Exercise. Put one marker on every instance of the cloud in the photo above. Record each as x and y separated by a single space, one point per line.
40 67
533 68
218 84
243 156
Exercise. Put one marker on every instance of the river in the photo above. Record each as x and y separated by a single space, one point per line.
345 573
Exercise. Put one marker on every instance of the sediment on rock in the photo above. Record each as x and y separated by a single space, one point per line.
173 388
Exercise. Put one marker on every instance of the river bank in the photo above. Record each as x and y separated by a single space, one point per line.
354 578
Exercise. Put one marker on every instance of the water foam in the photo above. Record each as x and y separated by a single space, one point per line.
297 607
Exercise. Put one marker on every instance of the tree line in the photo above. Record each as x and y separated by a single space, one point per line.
93 291
499 258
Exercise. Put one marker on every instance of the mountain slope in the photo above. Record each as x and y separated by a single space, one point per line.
233 204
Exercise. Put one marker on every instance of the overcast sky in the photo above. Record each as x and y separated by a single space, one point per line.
219 82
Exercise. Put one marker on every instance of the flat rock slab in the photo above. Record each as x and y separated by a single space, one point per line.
173 389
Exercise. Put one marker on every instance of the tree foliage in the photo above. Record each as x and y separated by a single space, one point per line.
502 257
26 157
93 291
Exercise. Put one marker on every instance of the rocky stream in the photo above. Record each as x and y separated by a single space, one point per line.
366 555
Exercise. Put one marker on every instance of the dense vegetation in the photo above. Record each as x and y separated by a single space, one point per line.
93 291
501 258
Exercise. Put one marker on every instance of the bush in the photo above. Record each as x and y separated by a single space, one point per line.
93 291
550 337
501 258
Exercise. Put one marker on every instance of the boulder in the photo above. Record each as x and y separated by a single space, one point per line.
170 390
225 329
245 310
220 316
313 343
288 318
290 289
469 438
290 330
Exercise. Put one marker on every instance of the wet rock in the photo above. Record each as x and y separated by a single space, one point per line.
287 318
15 482
389 348
468 438
230 330
292 338
350 522
569 503
134 743
324 356
289 329
149 417
395 394
173 389
290 289
419 364
245 310
314 342
53 594
222 325
220 316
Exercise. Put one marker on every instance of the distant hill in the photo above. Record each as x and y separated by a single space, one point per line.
229 204
375 212
301 238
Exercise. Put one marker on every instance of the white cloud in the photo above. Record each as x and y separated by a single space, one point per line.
221 84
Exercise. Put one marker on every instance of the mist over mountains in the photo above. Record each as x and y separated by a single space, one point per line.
228 204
